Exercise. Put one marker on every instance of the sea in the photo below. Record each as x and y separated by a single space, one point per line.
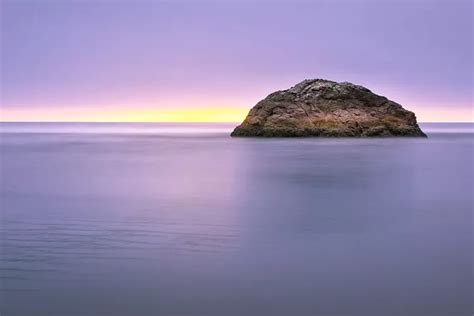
182 219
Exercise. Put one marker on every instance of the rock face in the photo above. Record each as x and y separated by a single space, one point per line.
329 109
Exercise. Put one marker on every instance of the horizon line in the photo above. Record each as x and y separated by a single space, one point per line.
185 122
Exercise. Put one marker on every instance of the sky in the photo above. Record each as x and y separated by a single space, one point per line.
106 60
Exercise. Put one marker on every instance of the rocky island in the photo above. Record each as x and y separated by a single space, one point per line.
326 108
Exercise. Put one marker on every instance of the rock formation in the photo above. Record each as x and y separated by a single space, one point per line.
328 109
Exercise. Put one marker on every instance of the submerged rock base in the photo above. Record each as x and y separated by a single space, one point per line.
328 109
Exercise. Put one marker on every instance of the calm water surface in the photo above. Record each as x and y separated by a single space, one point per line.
166 219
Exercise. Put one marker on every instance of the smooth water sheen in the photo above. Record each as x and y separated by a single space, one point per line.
169 219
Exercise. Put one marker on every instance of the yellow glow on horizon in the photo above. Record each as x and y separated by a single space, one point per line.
443 114
195 115
189 114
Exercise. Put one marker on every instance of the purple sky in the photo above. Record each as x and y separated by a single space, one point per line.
133 54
